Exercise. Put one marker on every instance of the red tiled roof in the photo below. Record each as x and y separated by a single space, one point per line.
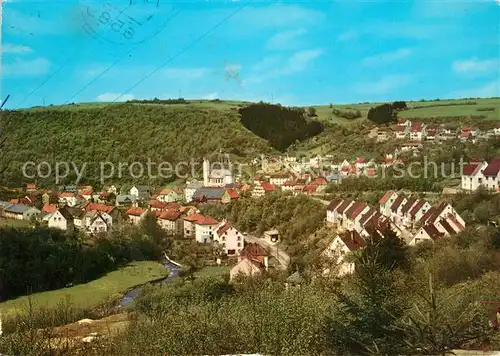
156 204
397 203
447 226
471 168
400 128
360 160
193 217
135 211
320 181
225 227
493 167
310 188
408 205
455 221
366 216
371 171
289 183
416 208
49 208
465 134
233 193
206 220
14 201
386 197
65 195
30 186
345 204
432 231
99 207
355 210
87 192
253 250
333 205
352 240
171 215
427 215
268 187
172 205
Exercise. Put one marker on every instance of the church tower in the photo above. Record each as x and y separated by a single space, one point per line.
206 171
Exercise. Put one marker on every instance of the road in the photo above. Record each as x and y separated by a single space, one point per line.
278 253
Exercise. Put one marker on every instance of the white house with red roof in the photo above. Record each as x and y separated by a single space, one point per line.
354 214
168 195
417 132
492 174
331 212
386 201
229 238
171 221
205 229
426 233
341 245
415 213
360 162
401 132
136 214
472 175
278 179
67 198
396 209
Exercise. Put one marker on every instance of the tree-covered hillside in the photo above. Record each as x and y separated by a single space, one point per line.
122 133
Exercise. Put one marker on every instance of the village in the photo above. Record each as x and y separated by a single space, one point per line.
79 208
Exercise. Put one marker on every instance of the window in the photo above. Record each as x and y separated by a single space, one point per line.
239 238
223 245
239 244
223 238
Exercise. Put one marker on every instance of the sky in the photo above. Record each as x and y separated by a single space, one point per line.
291 52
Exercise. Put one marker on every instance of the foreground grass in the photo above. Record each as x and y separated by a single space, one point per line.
214 271
94 293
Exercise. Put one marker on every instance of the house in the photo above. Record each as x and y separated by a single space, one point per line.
416 212
272 236
50 198
492 174
331 212
417 132
386 202
49 208
141 192
30 187
380 134
229 238
401 132
245 268
396 209
87 194
168 195
261 189
190 189
171 222
294 280
136 214
353 214
360 162
189 224
204 229
67 198
233 193
97 224
255 252
156 205
426 233
125 200
320 183
365 218
21 212
404 123
443 211
333 178
61 219
472 175
211 195
341 209
88 218
341 245
278 179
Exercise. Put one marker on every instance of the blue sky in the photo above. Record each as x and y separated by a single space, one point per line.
296 53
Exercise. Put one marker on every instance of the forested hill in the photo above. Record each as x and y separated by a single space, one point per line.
122 133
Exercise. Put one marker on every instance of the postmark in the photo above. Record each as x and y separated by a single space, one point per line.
121 21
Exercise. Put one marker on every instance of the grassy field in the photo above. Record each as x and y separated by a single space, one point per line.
13 223
213 271
94 293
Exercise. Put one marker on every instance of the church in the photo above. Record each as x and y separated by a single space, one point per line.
216 177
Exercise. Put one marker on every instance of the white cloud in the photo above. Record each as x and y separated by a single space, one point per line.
107 97
346 36
12 48
383 86
387 57
185 73
276 66
474 65
488 90
21 67
285 40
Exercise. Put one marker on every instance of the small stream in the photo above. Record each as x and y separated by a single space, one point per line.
129 296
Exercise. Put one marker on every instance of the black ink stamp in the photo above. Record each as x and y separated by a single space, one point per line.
121 21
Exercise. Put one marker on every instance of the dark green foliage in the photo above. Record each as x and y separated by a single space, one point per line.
347 114
399 105
34 260
382 114
161 101
120 133
311 111
485 109
281 126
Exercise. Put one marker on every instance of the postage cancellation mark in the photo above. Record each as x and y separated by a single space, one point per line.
121 21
